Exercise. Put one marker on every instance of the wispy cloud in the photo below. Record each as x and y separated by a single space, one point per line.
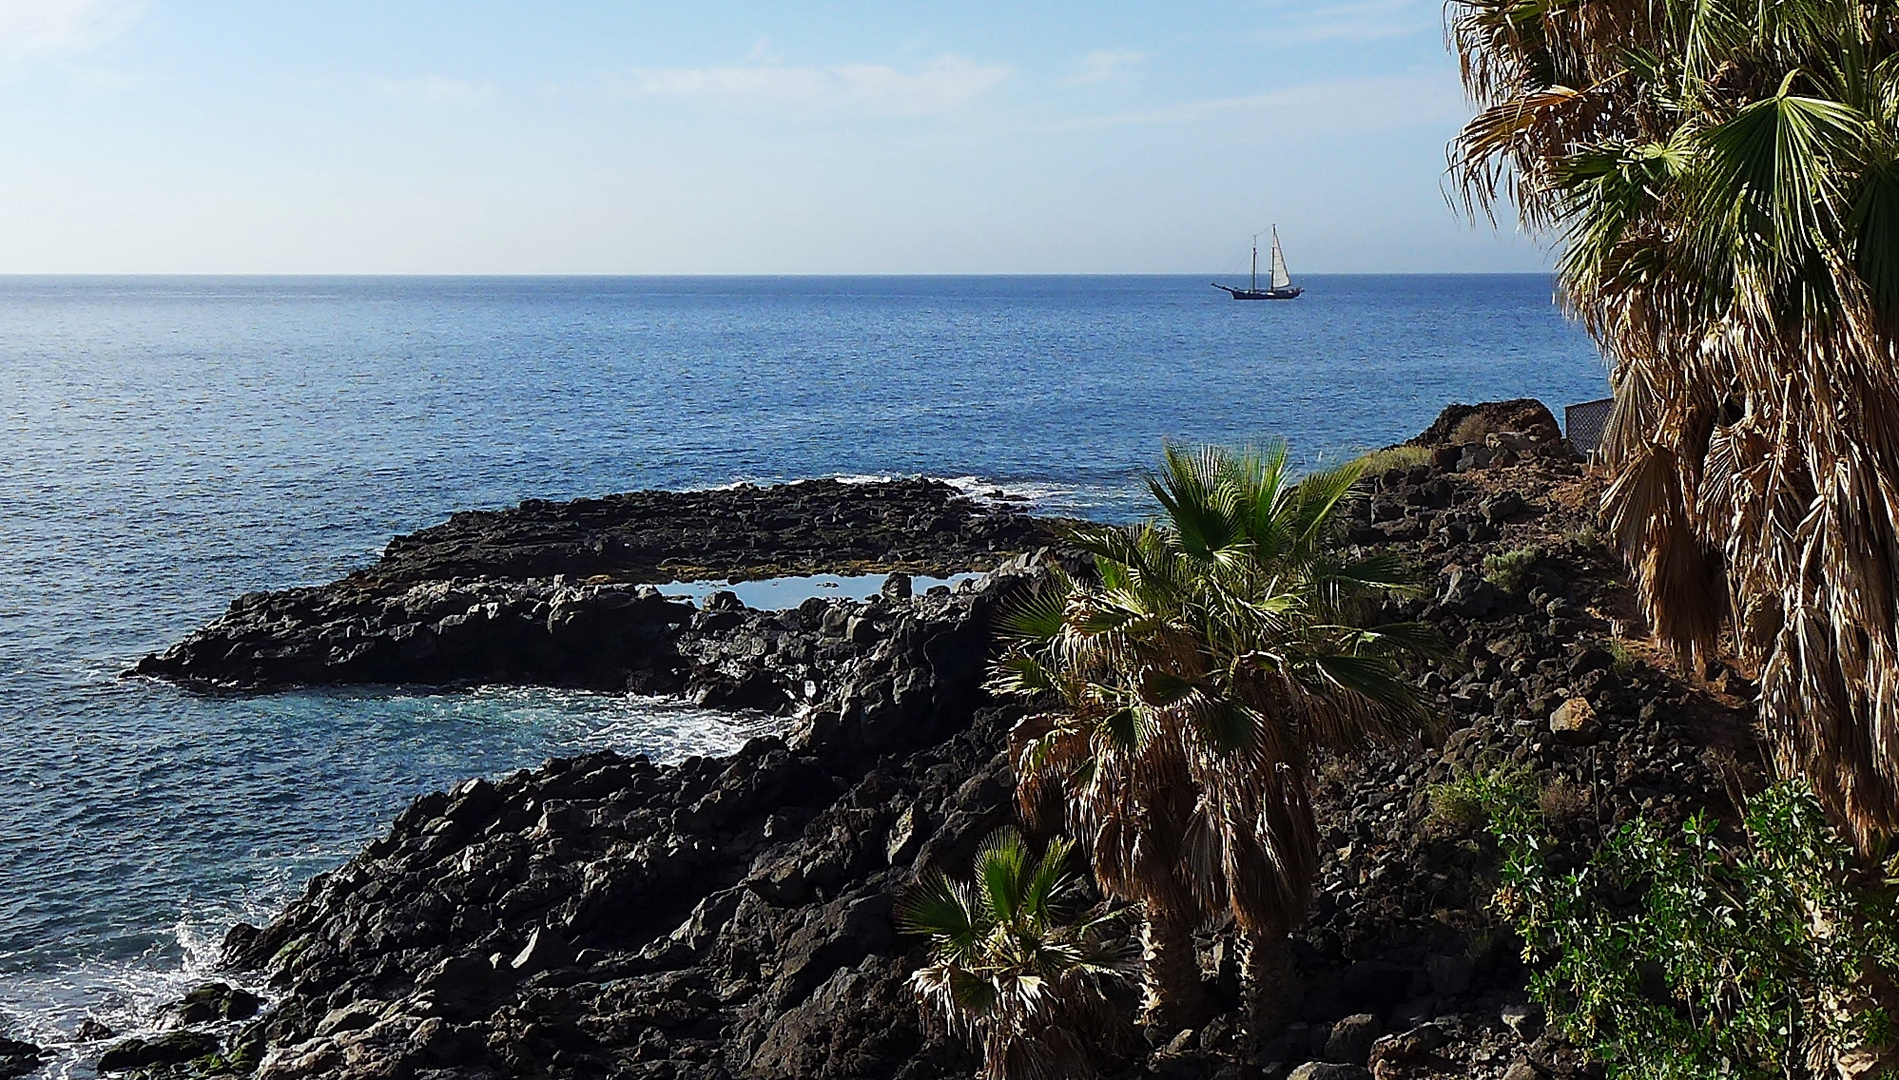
943 85
436 90
1105 65
39 28
1353 105
101 80
1357 20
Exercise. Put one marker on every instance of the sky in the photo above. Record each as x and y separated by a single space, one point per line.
712 137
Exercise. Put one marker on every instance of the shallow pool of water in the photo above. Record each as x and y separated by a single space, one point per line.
777 594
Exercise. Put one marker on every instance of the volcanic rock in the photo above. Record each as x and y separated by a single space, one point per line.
733 917
19 1058
559 594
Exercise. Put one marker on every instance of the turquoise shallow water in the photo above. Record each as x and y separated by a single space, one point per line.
170 443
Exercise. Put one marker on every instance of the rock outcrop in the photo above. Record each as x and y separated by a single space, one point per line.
810 527
19 1058
1525 419
606 917
550 593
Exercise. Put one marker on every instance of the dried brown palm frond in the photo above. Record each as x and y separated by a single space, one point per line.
1728 206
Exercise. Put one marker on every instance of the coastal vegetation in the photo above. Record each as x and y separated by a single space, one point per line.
1392 457
1754 959
1507 570
1013 966
1724 177
1185 688
742 916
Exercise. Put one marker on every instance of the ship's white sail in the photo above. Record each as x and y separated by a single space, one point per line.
1281 278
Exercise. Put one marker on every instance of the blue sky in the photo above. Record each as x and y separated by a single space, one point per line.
222 136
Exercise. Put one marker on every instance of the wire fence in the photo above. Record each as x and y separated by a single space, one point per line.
1584 423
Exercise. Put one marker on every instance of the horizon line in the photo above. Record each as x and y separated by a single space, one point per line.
575 275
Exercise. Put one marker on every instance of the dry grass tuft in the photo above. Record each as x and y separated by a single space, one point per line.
1393 457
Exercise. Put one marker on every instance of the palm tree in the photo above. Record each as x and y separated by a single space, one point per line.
1010 970
1724 179
1190 688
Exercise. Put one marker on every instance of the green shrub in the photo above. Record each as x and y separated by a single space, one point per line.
1507 570
1463 803
1585 536
1621 658
1676 956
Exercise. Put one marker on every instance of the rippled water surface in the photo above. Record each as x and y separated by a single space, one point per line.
166 444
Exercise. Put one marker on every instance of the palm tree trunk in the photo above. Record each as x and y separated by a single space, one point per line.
1174 997
1269 982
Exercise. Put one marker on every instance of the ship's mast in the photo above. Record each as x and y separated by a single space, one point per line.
1255 262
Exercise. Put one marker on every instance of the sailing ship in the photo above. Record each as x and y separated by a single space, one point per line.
1281 286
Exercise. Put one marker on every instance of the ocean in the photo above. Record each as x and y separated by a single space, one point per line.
169 443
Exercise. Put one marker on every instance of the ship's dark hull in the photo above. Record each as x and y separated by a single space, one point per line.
1287 293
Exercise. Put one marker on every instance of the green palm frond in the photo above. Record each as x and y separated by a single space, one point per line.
1038 616
944 910
1777 157
1371 679
1001 873
1122 730
1021 676
1402 639
1317 497
1040 894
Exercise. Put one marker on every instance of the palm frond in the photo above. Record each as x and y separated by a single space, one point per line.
1038 616
1726 193
942 909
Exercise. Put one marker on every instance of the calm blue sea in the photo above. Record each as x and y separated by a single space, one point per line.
166 444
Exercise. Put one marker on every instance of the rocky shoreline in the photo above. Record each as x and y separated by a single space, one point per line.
606 917
561 594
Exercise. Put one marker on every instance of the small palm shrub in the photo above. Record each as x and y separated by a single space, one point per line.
1012 969
1677 956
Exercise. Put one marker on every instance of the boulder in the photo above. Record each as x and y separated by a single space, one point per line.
1526 418
1467 593
544 951
1417 1046
1574 721
19 1059
1502 507
1351 1039
1326 1070
93 1030
215 1001
173 1049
